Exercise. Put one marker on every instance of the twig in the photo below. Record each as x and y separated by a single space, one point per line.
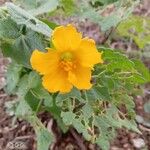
106 36
78 139
144 128
23 137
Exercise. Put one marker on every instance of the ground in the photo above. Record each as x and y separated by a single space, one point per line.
12 129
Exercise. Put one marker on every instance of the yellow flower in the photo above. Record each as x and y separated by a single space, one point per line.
69 64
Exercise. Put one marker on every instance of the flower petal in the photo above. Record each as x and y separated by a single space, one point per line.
44 62
87 54
80 77
66 38
57 81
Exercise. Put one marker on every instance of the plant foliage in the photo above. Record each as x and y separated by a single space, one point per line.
95 113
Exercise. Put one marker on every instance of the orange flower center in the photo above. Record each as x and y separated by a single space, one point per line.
67 62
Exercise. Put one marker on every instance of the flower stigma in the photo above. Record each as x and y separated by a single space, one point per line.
67 61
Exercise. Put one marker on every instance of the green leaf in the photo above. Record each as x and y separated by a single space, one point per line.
122 11
130 125
52 25
38 7
68 6
103 143
73 94
107 124
107 132
68 117
98 93
40 93
44 139
87 111
9 29
34 79
12 76
120 65
140 67
23 109
56 112
32 101
136 27
23 87
105 2
117 60
129 103
21 49
27 82
112 54
21 17
31 89
81 128
136 78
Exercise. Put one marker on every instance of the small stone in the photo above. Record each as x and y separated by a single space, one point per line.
138 143
126 145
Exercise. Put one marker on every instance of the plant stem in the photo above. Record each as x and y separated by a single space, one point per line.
39 104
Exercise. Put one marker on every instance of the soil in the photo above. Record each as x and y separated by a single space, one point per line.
13 129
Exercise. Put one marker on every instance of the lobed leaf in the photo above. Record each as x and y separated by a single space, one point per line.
21 17
21 48
38 7
12 77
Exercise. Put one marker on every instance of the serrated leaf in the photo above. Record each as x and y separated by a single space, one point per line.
141 68
98 93
78 125
136 78
123 65
87 111
41 93
38 7
107 132
136 27
73 94
23 109
9 29
117 60
23 87
20 50
56 112
130 125
34 79
26 83
44 139
68 117
21 17
32 101
68 6
122 11
103 143
129 102
112 55
12 76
